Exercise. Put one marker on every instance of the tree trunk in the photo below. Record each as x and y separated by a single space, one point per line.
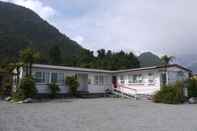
17 77
26 70
30 69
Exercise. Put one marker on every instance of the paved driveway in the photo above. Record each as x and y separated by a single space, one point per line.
110 114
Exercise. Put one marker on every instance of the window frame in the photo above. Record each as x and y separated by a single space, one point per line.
122 80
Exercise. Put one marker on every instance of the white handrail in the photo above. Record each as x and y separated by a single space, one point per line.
122 86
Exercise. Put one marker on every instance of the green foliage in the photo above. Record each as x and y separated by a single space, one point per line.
167 59
22 28
171 94
28 56
73 84
54 88
26 89
55 55
192 87
107 60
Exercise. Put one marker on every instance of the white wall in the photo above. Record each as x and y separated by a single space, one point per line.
93 88
172 75
140 88
43 87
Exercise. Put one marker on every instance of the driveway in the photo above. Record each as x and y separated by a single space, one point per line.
103 114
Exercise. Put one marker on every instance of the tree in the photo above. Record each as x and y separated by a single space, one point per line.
166 60
101 53
55 55
28 56
86 59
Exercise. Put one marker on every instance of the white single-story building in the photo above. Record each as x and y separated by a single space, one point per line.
131 81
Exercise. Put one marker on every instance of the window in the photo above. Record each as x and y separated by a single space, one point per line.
96 79
180 75
39 77
130 79
99 80
47 77
122 79
137 78
134 78
54 77
107 80
150 77
60 78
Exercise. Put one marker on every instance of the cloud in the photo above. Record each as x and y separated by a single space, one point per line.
164 27
44 11
161 26
79 39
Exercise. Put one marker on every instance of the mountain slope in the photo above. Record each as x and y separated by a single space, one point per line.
20 28
149 59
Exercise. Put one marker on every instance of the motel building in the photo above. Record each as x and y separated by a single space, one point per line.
139 81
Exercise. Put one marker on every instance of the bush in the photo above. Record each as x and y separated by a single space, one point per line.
54 88
73 84
192 87
26 89
171 94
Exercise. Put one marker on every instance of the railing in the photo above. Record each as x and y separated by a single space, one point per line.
119 88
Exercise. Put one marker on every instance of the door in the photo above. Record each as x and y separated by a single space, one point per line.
83 81
114 81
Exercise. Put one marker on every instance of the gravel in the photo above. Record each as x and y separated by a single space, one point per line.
103 114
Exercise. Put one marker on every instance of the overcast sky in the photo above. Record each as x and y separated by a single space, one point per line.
160 26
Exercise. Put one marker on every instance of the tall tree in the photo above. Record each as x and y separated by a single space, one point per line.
101 53
55 55
166 61
28 56
86 58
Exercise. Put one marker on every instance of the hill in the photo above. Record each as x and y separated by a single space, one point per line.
149 59
20 28
193 67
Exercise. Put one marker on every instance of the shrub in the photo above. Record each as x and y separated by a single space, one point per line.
192 87
73 84
26 89
54 88
170 94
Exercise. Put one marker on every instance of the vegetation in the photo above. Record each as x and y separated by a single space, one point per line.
73 84
32 32
167 59
28 56
54 88
55 55
22 28
27 89
107 60
192 87
170 94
